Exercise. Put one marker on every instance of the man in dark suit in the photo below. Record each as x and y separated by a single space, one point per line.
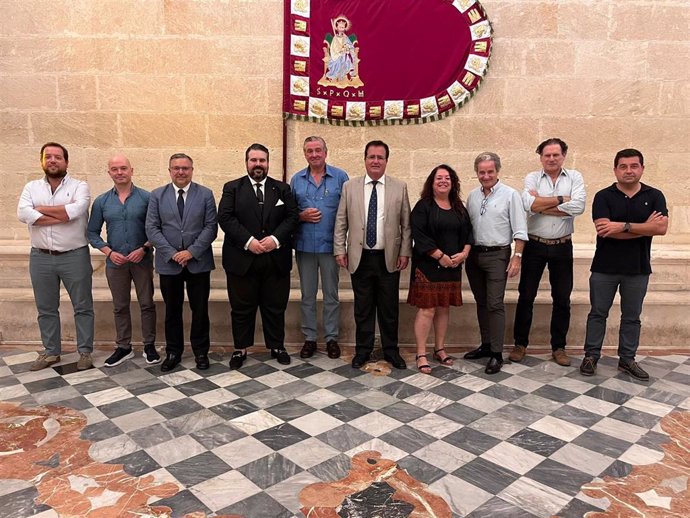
258 215
181 225
373 240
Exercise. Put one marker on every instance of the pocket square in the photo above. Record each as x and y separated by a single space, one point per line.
279 203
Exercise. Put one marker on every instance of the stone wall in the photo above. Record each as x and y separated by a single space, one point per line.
153 77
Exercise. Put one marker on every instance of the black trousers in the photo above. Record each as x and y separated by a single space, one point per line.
198 289
486 272
535 257
376 293
262 287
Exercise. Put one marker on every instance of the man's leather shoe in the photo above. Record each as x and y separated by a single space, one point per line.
281 355
308 349
480 352
561 358
494 366
359 360
237 359
395 360
170 362
202 362
518 353
333 349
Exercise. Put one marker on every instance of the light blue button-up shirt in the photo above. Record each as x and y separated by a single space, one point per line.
125 223
499 218
317 238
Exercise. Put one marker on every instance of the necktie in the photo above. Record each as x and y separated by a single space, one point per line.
259 194
180 202
371 216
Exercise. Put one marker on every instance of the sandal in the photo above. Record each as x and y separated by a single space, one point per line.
447 361
424 369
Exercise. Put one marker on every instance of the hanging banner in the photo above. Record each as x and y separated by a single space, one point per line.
356 62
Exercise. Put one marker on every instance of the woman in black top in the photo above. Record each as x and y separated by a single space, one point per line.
442 235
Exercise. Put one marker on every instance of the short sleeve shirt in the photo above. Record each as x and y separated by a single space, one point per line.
626 256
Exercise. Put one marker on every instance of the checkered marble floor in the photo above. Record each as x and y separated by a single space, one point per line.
518 444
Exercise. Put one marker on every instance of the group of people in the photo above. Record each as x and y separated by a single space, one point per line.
364 225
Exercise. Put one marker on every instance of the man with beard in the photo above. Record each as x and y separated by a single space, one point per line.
56 209
181 225
258 215
129 258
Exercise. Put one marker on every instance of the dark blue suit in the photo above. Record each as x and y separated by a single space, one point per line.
194 232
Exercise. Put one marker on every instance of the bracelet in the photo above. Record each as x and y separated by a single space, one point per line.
109 253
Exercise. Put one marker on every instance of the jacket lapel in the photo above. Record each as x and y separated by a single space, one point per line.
249 191
192 194
270 198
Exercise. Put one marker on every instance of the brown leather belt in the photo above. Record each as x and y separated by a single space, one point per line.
56 252
544 241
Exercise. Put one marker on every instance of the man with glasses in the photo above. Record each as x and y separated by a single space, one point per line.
498 219
181 225
317 191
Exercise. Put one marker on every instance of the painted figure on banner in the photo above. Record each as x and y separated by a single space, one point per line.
341 56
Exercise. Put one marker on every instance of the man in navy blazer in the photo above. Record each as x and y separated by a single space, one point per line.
181 223
259 216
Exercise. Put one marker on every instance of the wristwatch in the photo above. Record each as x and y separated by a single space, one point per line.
560 199
627 227
518 254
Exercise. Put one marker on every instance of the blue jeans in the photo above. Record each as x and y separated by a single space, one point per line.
74 270
309 265
602 290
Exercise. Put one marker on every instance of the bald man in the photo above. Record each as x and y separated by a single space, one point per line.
129 257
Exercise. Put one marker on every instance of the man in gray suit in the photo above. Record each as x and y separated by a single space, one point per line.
181 225
373 240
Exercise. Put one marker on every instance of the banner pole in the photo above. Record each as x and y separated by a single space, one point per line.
284 148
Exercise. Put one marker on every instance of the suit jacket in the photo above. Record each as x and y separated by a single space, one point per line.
241 217
195 232
349 232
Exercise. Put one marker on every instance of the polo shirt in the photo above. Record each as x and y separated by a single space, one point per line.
626 256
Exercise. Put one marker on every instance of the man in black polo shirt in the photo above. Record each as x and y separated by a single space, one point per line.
626 215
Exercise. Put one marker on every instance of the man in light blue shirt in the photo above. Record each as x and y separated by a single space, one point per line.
317 191
498 219
128 258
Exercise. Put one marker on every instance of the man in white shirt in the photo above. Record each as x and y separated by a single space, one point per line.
552 197
56 210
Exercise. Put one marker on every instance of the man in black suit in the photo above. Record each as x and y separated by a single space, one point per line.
258 215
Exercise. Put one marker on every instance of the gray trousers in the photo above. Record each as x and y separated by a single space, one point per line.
486 272
74 270
120 283
309 266
602 290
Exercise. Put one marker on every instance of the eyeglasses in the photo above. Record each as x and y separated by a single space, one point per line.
482 208
177 169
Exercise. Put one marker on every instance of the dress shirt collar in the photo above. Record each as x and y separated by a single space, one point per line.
185 188
62 182
369 180
131 189
563 172
253 182
491 191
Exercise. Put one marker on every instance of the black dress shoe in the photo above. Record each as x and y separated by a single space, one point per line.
308 349
333 349
170 362
281 355
237 359
359 360
202 362
479 352
395 360
494 366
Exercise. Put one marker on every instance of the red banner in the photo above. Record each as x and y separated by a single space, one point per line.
382 61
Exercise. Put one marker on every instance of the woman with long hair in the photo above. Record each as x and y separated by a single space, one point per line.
442 235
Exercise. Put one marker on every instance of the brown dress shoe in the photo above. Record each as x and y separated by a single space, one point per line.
561 358
518 353
333 349
308 349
